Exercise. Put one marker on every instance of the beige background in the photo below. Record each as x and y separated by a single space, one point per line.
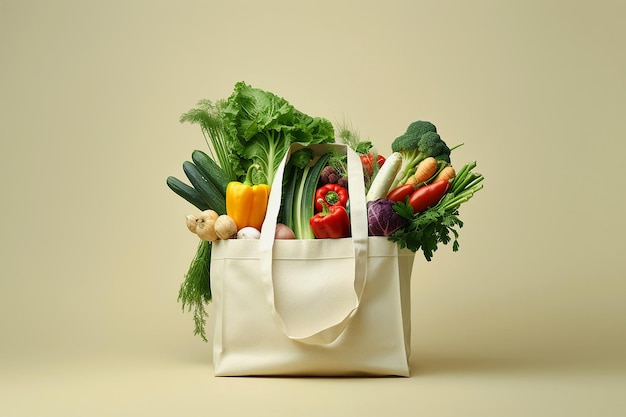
527 319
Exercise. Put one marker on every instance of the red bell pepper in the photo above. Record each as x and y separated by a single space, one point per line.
428 195
401 192
332 194
331 223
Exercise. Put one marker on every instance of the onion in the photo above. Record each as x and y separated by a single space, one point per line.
283 232
248 232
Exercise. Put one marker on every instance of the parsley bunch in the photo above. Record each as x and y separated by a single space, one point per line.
439 223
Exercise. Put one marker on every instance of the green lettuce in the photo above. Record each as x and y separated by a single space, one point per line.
262 126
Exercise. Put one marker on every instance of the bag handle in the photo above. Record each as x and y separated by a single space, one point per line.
358 221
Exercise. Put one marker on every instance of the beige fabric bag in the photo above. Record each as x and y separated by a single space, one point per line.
312 307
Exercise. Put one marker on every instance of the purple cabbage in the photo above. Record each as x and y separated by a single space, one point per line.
382 219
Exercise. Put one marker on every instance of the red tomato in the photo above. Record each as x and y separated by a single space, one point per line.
368 163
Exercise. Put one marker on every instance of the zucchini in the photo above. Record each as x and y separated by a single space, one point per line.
207 190
187 192
210 170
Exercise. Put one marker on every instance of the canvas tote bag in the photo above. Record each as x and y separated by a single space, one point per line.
321 307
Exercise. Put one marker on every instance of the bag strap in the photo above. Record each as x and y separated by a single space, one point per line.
358 221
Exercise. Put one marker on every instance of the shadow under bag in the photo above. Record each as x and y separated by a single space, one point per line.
312 307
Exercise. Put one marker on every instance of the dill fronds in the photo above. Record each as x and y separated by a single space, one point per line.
195 291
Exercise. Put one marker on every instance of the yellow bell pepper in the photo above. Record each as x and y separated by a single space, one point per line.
247 203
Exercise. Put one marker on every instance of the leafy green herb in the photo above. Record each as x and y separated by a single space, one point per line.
349 136
427 230
210 117
440 223
339 161
195 291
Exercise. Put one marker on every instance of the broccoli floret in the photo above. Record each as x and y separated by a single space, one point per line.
432 145
420 141
420 127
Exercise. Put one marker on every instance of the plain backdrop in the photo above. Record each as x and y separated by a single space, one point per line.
527 319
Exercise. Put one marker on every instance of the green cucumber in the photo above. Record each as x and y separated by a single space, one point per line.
210 170
207 190
187 192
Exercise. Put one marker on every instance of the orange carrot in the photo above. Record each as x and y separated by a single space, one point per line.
425 169
448 173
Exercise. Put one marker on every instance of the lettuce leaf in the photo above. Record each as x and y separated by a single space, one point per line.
263 126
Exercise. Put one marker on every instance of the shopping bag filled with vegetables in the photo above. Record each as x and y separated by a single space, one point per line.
413 191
